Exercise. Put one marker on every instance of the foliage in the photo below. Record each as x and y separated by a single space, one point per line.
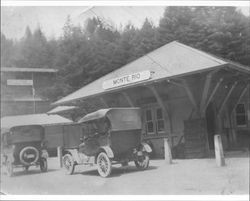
84 54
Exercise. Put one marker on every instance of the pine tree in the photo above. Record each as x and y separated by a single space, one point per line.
7 51
145 39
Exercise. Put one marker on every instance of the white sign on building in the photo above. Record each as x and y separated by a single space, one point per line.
20 82
127 79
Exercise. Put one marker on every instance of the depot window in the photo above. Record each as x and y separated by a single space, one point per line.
241 115
160 120
149 122
154 121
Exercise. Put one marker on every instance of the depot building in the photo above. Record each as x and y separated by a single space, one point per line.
186 95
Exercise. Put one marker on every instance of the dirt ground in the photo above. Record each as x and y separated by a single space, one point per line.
190 176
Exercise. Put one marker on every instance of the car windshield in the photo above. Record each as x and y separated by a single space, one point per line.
99 126
103 125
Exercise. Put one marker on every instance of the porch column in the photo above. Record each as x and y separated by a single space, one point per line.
165 108
212 94
205 92
222 106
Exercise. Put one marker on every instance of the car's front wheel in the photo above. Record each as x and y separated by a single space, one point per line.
69 164
43 165
142 162
104 165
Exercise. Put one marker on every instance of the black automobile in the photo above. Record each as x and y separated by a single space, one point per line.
110 136
23 146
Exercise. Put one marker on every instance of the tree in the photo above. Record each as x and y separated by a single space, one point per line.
222 31
7 51
145 39
33 50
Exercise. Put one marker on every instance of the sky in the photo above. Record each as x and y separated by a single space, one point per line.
51 19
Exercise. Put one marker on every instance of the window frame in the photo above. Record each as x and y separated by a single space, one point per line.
153 109
149 121
245 114
157 120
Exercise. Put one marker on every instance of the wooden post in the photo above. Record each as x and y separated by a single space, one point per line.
59 156
212 94
219 155
233 132
205 91
167 152
226 98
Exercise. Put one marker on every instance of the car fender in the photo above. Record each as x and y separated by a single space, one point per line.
74 154
108 151
146 147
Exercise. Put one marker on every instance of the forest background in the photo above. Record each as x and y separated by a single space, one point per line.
83 54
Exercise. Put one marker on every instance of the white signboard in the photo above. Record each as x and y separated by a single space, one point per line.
127 79
20 82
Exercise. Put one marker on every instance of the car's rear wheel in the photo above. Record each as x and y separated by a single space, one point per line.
29 155
142 162
43 165
104 165
9 168
69 164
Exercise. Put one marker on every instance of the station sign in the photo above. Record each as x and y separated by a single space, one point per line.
20 82
127 79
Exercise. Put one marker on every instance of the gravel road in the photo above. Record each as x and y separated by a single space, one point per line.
193 176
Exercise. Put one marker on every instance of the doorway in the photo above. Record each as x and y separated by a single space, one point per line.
211 127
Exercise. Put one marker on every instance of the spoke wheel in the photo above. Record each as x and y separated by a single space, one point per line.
104 165
43 165
69 164
142 162
9 168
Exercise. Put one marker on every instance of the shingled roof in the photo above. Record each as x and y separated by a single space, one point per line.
32 119
171 60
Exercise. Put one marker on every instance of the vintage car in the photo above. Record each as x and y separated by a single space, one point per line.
23 146
110 136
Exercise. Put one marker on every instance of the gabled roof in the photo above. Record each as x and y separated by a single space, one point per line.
34 70
171 60
32 119
60 109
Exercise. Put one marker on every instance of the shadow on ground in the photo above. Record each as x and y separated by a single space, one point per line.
20 172
117 171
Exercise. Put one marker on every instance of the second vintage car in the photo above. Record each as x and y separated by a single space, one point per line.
110 136
23 146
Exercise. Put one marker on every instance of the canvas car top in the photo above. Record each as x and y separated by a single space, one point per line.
120 118
27 133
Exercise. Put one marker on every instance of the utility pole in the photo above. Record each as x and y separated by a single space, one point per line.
33 95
